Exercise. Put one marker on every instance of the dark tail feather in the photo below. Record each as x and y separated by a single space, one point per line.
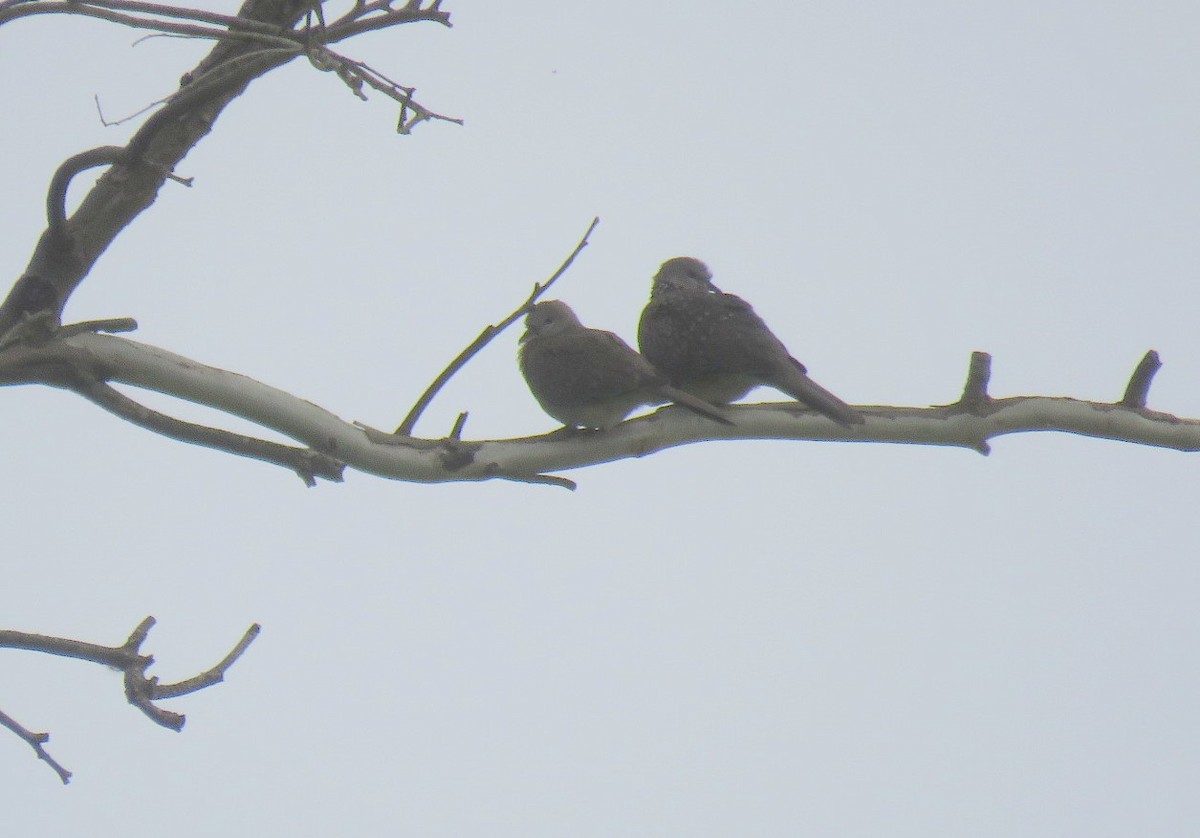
695 405
803 389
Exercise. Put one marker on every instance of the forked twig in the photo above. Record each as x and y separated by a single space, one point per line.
140 691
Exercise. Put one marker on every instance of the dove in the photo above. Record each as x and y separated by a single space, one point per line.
713 345
591 378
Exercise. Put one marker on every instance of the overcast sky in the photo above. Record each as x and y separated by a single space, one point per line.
743 638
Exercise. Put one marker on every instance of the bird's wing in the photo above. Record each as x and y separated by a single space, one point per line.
747 341
634 370
584 366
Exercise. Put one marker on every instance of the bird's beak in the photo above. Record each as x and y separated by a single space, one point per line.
524 336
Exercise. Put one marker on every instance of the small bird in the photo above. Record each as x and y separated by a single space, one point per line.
589 378
715 347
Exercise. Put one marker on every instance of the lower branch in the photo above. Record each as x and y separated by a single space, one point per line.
140 691
308 464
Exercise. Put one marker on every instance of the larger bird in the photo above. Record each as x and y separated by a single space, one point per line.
589 378
715 347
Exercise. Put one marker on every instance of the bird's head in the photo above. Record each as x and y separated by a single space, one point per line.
548 318
683 273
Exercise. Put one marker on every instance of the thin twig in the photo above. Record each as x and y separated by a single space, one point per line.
355 73
411 13
225 79
35 740
486 336
110 325
359 8
212 676
107 123
542 480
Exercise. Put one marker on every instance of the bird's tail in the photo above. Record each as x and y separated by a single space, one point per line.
695 405
804 389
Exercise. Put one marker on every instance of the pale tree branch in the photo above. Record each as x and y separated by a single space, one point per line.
306 463
39 354
969 423
140 691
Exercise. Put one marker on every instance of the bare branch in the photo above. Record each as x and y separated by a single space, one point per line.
69 363
104 11
140 691
259 39
306 463
84 360
36 741
237 23
42 354
485 337
56 194
211 676
55 269
118 657
362 18
355 73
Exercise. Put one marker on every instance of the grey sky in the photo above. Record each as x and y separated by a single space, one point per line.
724 639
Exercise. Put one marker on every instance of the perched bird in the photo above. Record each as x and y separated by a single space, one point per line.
714 346
589 378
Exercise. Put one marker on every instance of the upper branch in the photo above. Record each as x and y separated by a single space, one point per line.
60 262
105 11
12 9
262 37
